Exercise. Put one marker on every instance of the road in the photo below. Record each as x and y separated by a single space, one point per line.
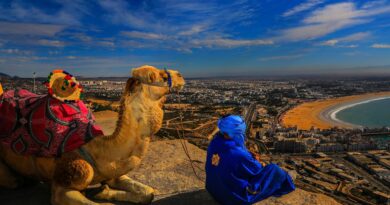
362 173
250 114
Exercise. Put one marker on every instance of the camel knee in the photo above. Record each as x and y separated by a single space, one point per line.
74 173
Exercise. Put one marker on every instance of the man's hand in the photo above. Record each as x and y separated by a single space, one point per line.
257 157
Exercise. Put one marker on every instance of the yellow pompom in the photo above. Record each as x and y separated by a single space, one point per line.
63 86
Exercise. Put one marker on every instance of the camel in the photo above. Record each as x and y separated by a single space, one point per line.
104 159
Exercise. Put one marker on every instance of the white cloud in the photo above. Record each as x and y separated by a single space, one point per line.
302 7
49 43
195 29
15 51
350 46
353 53
379 45
371 4
142 35
20 59
329 19
330 42
283 57
55 52
105 43
350 38
313 31
119 13
81 37
89 66
68 14
229 43
355 37
185 24
71 57
30 29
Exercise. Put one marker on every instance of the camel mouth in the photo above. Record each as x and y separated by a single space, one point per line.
177 88
176 79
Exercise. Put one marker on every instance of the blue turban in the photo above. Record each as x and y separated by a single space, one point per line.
235 127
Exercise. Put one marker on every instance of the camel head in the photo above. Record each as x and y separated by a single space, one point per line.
158 82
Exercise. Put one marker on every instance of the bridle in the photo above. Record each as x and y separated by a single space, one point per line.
168 83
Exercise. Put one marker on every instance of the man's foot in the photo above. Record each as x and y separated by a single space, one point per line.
293 174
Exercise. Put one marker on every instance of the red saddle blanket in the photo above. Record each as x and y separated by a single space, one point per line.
43 126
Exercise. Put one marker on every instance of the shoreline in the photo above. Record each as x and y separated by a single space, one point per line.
322 114
332 114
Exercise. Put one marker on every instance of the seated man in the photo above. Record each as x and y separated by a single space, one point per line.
233 176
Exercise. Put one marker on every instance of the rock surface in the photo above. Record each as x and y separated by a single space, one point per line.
167 169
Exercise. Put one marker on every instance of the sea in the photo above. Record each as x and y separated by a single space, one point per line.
372 113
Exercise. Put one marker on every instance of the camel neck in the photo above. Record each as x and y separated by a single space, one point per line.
139 118
128 121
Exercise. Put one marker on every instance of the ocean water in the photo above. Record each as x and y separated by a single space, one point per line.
374 114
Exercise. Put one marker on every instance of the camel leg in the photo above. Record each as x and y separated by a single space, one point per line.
123 166
7 178
111 194
67 196
139 192
72 175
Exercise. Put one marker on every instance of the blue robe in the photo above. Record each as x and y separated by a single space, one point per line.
234 177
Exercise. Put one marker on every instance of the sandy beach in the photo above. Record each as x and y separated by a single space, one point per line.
321 114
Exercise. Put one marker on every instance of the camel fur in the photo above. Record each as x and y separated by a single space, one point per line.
140 117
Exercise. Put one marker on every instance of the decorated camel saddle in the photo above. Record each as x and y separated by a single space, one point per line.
46 125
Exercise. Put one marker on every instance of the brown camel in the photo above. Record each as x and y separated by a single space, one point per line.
105 159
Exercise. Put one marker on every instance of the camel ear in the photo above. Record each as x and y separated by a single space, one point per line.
131 85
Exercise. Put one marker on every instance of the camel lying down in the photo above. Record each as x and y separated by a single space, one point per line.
103 159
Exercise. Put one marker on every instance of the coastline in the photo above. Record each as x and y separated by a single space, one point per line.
322 113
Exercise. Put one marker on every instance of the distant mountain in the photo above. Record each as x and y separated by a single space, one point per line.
3 75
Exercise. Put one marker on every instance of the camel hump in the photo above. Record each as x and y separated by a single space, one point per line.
63 86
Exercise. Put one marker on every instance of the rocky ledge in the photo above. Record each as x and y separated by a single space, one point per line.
168 169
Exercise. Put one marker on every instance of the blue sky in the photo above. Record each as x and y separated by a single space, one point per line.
199 38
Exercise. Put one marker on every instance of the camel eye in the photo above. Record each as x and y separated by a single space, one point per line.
179 75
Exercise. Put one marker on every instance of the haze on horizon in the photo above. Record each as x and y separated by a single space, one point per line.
199 38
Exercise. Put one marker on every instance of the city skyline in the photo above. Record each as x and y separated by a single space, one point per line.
199 38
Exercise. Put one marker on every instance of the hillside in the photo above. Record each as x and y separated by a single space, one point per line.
3 75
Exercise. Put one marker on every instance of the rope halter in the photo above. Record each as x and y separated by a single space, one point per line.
168 83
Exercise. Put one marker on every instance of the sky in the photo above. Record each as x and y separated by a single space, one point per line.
200 38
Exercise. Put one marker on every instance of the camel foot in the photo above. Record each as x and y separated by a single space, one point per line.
139 192
111 194
66 196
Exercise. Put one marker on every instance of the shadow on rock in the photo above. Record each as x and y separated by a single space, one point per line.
38 194
188 198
